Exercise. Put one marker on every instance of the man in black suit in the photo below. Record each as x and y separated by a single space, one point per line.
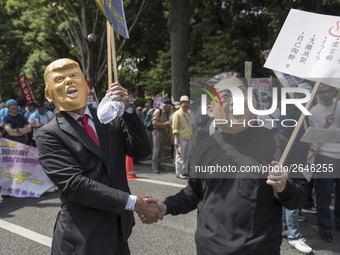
89 169
239 210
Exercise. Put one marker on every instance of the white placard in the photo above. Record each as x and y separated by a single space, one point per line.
321 135
308 46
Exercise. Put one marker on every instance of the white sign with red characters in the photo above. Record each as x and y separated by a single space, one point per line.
308 46
158 100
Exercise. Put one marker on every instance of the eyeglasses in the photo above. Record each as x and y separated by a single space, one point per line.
328 91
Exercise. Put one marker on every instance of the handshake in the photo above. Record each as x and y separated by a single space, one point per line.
150 209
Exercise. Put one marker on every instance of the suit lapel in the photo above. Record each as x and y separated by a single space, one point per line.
69 125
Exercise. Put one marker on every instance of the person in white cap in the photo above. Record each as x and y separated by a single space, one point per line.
181 128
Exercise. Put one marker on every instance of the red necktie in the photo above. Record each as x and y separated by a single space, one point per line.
88 128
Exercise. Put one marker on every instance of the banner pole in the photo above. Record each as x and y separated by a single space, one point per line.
298 126
336 101
114 57
109 56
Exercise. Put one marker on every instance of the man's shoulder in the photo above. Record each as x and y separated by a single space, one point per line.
7 118
52 125
316 108
176 114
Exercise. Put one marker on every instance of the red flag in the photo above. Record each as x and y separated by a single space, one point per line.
26 90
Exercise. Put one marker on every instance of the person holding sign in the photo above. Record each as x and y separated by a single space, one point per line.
326 114
86 161
239 210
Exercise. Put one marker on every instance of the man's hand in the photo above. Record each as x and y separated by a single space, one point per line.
176 140
329 120
277 178
148 212
314 149
117 89
167 123
161 206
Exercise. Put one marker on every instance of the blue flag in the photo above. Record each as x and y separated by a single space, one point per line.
114 11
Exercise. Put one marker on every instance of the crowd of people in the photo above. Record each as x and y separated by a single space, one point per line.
19 123
240 213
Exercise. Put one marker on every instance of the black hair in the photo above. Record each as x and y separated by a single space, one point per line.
226 75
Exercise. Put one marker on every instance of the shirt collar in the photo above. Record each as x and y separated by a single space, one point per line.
77 116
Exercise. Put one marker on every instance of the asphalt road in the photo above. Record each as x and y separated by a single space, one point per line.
26 224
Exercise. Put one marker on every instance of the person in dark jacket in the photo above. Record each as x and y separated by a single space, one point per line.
236 183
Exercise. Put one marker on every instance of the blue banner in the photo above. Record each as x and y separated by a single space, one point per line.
114 11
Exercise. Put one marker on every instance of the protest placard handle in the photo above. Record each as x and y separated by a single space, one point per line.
114 57
298 126
109 56
336 101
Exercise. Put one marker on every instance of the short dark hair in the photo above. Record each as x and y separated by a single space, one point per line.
226 75
40 105
30 103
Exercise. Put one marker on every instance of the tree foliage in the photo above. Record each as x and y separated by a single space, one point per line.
221 35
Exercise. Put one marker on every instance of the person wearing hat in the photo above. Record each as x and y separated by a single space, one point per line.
38 119
30 109
159 122
181 128
15 124
139 112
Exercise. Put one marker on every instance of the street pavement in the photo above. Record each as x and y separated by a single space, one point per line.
26 224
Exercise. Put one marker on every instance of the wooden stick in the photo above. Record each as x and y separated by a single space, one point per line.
298 126
336 101
109 57
114 57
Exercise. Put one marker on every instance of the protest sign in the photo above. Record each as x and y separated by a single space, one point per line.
308 46
262 88
247 71
114 11
297 51
158 100
321 136
132 97
26 90
92 97
21 174
100 5
285 79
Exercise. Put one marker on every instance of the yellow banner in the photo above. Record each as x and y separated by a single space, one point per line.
101 6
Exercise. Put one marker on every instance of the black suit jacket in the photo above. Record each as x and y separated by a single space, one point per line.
92 180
